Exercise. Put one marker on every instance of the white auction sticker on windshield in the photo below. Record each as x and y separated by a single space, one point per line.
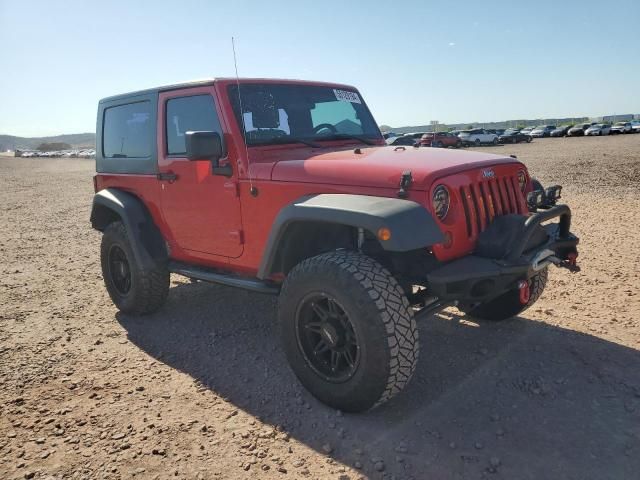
346 96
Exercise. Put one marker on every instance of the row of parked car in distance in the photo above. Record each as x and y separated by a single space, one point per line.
90 153
481 136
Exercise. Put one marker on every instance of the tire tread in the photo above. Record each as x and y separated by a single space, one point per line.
153 284
393 307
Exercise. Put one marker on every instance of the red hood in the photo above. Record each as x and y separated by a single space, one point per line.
376 166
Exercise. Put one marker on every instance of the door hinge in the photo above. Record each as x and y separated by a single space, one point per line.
234 187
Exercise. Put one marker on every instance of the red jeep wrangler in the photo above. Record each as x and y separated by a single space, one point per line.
287 188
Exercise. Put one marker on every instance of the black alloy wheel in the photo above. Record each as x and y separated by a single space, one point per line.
119 270
347 330
327 338
132 289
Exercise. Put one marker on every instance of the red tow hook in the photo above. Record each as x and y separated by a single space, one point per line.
523 290
571 263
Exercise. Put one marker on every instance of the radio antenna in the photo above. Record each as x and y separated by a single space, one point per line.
252 188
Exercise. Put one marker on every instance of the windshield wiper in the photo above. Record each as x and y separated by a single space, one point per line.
290 139
347 136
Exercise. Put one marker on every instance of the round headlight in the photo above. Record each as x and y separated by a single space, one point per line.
522 180
441 201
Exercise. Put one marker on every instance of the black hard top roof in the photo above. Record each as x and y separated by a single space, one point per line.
164 88
211 81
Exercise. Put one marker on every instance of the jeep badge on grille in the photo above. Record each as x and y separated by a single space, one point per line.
488 173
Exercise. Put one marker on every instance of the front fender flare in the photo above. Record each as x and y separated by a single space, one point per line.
411 225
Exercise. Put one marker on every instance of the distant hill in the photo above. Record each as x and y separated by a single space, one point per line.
76 140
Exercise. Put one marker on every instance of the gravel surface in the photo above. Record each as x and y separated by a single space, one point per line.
202 390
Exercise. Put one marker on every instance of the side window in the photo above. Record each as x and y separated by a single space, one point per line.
127 131
187 114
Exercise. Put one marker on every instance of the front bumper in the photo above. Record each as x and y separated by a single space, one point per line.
477 278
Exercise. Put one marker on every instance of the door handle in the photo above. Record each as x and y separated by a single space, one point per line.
167 177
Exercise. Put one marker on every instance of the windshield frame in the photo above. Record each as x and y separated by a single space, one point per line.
373 137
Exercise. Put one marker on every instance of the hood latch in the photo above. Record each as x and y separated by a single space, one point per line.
405 182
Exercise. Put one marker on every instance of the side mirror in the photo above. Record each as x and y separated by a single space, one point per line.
207 146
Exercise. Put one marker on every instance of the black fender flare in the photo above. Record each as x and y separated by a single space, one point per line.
147 242
411 225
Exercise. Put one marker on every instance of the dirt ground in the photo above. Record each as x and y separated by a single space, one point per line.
202 389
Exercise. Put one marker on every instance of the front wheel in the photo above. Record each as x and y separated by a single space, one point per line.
528 139
132 289
348 330
495 141
508 304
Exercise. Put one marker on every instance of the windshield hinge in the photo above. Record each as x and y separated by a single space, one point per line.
405 182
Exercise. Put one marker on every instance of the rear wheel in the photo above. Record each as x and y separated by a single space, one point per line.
131 288
508 304
495 141
348 330
477 142
528 139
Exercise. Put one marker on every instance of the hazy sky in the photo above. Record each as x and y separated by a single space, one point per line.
413 61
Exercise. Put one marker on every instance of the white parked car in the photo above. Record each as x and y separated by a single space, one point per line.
542 131
477 136
622 127
598 129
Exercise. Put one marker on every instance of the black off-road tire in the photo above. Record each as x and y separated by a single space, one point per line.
508 304
148 288
382 319
536 184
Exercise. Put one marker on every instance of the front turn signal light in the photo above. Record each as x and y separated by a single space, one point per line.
384 234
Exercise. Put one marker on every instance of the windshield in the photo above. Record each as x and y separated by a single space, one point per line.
510 131
278 113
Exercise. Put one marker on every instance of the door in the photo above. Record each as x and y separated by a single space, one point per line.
200 209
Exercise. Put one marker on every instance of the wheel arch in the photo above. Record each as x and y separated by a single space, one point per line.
111 204
315 224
